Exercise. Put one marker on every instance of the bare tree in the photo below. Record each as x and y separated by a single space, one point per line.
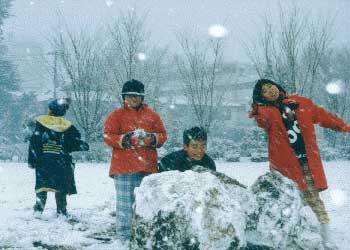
336 71
81 58
200 69
315 50
131 55
4 13
291 50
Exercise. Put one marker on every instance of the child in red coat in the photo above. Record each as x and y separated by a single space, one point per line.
134 131
289 123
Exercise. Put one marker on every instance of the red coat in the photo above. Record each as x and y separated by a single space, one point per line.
281 155
139 159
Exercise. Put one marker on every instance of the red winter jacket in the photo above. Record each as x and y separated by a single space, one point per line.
281 155
138 159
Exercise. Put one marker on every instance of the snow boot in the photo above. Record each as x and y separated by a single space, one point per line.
61 203
40 203
326 238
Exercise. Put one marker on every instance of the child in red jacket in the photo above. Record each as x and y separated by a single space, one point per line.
289 123
134 131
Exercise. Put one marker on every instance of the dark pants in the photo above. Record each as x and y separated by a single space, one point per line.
61 202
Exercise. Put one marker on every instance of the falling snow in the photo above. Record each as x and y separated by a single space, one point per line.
334 87
109 3
217 31
18 226
338 197
141 56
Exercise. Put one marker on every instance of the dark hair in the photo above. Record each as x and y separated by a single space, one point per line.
257 95
195 133
133 87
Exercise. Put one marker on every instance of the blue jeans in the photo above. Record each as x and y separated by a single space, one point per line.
125 198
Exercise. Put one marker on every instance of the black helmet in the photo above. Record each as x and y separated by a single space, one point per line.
133 87
59 106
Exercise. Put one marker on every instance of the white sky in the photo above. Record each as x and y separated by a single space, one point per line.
32 19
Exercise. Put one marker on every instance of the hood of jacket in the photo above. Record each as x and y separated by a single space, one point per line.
56 123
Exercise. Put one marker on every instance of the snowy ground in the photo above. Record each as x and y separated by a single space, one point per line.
92 208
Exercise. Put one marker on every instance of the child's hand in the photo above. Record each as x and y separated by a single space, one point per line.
130 139
150 140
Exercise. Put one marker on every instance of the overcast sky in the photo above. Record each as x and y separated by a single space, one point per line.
32 19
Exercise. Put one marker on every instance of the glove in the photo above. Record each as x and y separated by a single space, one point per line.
150 140
129 140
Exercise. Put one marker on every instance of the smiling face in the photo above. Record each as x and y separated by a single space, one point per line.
195 149
133 101
270 92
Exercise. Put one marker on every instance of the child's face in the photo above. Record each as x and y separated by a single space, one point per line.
196 149
134 101
270 92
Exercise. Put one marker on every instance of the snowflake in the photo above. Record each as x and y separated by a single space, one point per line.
217 31
199 210
141 56
338 197
109 3
61 101
335 87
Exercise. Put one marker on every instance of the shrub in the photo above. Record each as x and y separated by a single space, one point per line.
259 157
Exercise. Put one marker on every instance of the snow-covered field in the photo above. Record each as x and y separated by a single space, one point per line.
92 226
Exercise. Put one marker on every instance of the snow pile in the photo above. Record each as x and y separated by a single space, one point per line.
191 210
180 210
281 218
